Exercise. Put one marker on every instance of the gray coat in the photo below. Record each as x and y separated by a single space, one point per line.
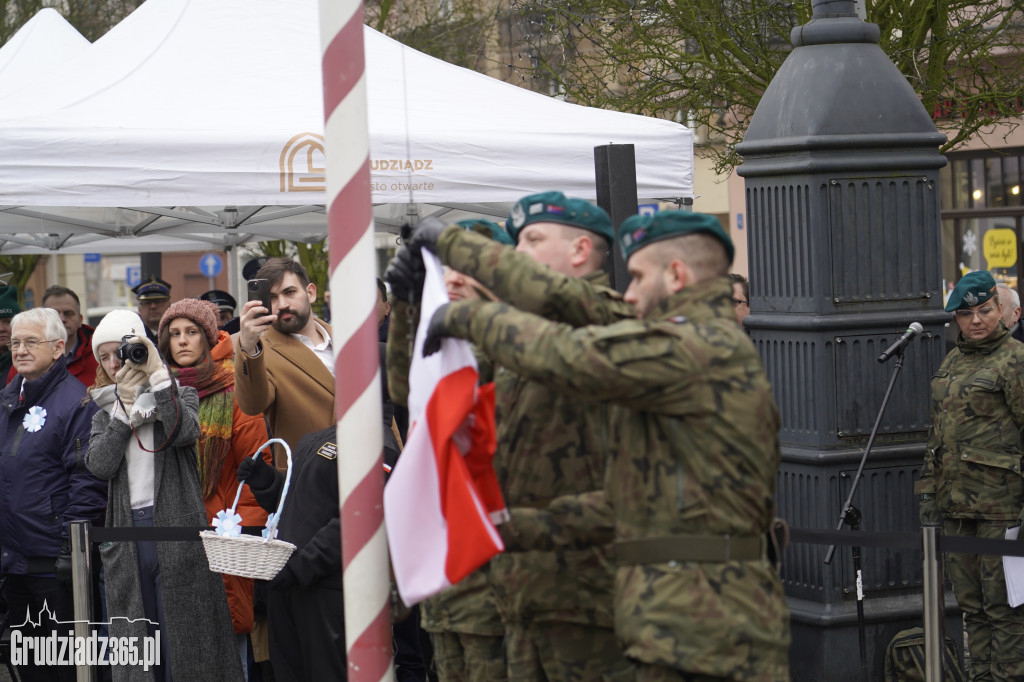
198 624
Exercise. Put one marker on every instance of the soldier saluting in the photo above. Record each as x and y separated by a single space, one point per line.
690 485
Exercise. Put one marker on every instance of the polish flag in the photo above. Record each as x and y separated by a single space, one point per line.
442 496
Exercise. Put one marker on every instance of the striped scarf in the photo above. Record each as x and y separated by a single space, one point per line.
216 417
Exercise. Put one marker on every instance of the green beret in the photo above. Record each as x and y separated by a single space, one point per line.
555 207
973 289
486 228
638 231
8 303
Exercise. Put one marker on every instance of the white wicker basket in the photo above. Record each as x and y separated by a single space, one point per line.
249 556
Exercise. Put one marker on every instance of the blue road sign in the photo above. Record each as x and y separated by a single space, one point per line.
739 221
92 258
210 264
647 209
133 276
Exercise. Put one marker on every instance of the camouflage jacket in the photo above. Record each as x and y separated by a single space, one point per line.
973 461
549 444
694 446
521 282
469 605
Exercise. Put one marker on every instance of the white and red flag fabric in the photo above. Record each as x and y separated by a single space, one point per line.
442 495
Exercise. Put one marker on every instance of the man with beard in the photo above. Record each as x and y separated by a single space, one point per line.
284 362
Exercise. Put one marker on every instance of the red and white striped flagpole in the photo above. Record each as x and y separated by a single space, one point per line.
357 360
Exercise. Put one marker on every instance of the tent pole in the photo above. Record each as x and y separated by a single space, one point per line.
357 401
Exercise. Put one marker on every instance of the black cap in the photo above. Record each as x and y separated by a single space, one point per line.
250 269
222 299
153 289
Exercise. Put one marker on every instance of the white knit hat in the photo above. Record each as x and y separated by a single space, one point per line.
114 325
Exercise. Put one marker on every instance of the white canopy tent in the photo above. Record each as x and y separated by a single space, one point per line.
196 124
46 41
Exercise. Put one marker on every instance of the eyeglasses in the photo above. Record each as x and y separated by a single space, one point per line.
740 301
981 312
31 344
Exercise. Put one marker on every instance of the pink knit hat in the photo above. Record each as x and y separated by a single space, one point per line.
203 313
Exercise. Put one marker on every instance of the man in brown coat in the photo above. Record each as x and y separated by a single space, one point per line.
284 361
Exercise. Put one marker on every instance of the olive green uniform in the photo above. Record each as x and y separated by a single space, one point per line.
971 481
694 456
556 606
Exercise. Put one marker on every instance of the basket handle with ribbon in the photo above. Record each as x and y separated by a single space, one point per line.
229 524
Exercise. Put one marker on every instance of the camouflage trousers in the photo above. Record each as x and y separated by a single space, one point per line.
995 631
565 652
646 672
461 657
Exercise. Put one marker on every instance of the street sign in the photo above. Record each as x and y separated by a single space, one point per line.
133 276
647 209
92 258
210 264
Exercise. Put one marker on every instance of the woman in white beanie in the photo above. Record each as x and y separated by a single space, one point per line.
144 442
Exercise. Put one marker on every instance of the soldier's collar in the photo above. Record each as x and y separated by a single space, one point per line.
988 344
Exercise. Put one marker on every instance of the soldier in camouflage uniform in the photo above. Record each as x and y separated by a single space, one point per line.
691 485
466 630
556 605
971 479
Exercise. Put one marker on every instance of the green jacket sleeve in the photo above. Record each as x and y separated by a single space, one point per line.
633 363
573 522
401 329
525 284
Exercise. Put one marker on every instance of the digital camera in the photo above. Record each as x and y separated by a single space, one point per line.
136 352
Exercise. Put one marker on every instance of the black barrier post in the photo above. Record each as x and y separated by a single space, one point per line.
81 588
934 604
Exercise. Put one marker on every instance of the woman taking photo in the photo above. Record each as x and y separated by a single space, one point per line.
200 357
144 443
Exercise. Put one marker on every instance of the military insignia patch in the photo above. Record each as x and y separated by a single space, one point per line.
970 299
328 451
518 216
536 208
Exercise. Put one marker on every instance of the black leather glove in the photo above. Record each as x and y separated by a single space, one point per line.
425 235
284 579
436 331
257 473
62 567
405 274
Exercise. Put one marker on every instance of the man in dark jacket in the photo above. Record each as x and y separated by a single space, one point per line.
78 350
305 606
44 434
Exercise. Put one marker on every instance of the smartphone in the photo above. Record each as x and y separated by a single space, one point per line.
259 290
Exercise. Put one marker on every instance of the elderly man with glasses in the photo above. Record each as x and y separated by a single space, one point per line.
44 486
971 480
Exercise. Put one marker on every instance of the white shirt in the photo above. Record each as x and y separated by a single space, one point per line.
324 351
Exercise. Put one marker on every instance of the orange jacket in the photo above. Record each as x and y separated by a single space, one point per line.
247 433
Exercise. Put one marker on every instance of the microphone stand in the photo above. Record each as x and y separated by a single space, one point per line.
851 516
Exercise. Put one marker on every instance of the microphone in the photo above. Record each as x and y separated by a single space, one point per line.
913 330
